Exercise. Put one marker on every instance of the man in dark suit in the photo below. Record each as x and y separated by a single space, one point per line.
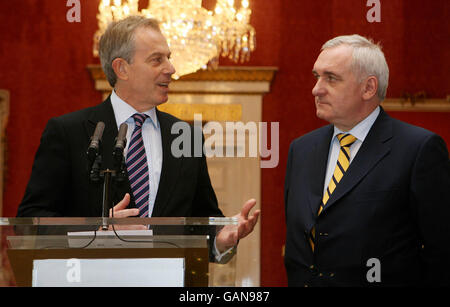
136 60
366 197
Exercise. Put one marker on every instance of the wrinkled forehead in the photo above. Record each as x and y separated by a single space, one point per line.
336 59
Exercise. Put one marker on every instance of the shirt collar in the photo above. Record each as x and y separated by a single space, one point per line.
123 111
361 130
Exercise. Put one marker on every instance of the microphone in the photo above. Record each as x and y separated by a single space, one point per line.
96 138
121 142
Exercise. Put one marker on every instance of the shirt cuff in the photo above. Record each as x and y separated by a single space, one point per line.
226 255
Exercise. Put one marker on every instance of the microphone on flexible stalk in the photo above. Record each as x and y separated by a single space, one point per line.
118 158
94 146
121 143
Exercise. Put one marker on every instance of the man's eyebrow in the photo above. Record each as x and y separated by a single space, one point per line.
326 73
157 54
330 73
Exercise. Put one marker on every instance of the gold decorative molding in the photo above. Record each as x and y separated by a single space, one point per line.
232 112
96 72
231 73
223 73
229 80
423 105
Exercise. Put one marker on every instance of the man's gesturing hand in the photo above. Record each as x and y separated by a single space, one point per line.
229 236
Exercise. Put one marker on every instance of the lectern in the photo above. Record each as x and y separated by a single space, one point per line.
132 252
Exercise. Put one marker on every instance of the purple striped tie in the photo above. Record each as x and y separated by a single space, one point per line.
137 167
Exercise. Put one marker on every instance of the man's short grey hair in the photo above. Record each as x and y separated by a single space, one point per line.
118 41
367 60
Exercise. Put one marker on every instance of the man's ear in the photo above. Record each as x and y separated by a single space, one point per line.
370 88
120 67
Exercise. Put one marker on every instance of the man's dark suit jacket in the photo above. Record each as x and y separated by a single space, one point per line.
60 186
392 204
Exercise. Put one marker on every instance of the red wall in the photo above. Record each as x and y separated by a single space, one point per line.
43 62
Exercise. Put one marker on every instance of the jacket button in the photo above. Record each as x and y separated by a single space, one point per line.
314 270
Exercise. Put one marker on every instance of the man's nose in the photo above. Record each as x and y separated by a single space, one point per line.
170 69
318 89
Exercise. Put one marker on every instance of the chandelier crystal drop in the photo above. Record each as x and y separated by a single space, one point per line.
196 36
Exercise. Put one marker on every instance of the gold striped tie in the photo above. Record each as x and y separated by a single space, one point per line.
343 162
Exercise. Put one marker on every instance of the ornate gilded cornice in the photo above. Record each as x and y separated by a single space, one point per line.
223 73
423 105
233 74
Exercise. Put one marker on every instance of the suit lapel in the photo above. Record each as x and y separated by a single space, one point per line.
170 166
318 169
374 148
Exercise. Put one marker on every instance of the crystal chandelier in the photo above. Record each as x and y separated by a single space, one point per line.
196 36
